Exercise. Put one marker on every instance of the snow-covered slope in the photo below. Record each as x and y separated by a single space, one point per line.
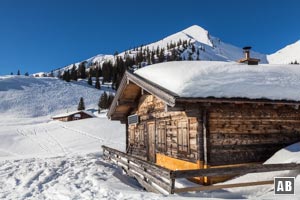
34 97
286 55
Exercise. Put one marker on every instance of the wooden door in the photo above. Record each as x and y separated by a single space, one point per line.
151 141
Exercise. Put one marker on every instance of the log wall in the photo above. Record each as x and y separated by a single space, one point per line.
152 109
244 133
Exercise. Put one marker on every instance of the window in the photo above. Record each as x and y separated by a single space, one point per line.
133 119
183 137
161 137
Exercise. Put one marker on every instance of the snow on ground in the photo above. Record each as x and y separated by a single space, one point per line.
44 159
290 154
59 138
226 79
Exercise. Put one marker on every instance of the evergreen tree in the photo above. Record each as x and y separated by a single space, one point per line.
74 73
11 73
90 82
161 56
107 71
67 76
81 105
81 70
51 74
59 74
18 73
99 70
97 84
26 74
152 58
193 48
103 101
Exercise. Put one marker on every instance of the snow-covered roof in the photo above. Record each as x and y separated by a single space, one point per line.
72 113
226 79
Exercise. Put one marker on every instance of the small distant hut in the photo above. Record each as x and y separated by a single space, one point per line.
71 116
203 114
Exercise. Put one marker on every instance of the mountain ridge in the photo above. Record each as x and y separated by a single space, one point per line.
213 48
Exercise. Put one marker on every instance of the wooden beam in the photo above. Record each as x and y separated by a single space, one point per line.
163 171
234 101
175 108
118 115
217 187
224 171
127 102
144 184
113 105
150 176
162 93
144 92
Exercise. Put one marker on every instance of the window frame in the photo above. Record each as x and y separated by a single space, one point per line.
161 141
183 137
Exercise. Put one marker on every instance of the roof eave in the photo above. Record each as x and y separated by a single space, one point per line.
235 100
165 95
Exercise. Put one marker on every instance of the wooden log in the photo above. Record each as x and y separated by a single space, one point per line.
163 171
217 187
144 184
224 171
148 175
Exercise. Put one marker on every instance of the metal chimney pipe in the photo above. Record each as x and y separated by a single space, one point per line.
247 52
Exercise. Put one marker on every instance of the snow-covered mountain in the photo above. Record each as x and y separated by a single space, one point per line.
208 46
286 55
211 48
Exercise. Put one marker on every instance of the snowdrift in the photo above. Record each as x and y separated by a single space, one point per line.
290 154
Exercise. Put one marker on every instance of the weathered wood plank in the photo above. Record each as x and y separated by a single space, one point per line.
150 175
163 171
144 184
217 187
223 171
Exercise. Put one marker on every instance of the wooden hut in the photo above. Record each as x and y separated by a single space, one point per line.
75 115
201 114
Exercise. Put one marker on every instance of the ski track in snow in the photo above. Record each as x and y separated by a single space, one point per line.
34 139
63 149
88 135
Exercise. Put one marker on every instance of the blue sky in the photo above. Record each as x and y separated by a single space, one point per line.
40 35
